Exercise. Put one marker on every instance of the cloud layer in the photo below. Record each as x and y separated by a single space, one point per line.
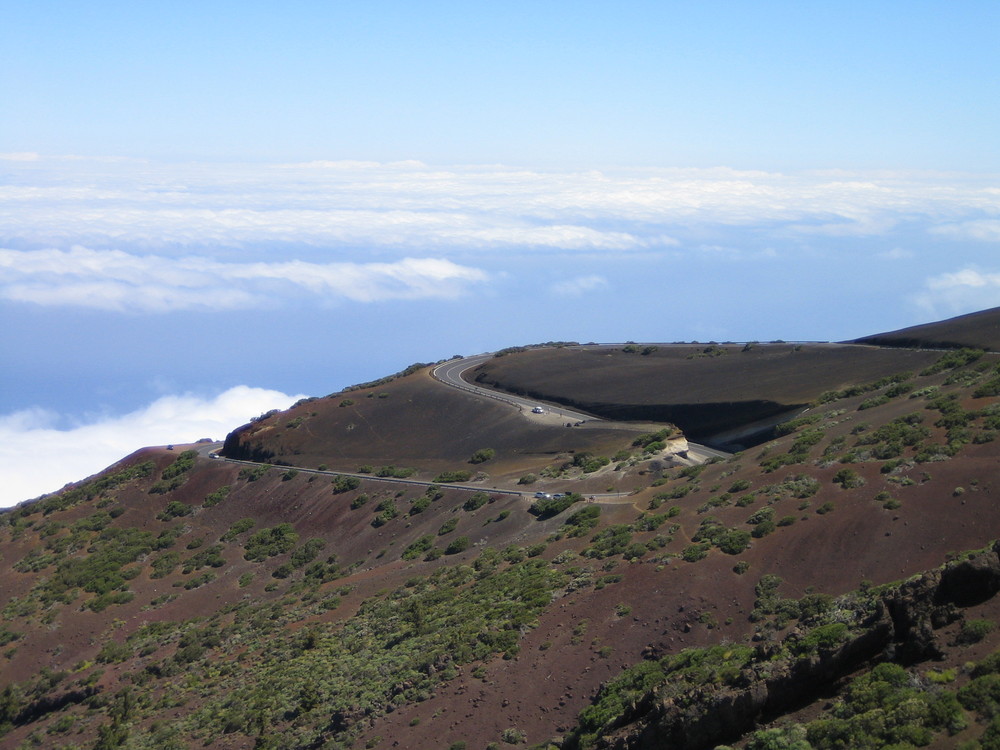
120 281
37 457
341 206
961 291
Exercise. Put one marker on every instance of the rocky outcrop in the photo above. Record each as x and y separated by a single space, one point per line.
897 623
244 444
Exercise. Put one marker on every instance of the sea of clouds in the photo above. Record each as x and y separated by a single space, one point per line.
40 454
131 237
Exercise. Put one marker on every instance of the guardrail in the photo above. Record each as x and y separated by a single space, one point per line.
414 482
375 478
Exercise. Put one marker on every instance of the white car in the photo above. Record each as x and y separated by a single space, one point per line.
538 410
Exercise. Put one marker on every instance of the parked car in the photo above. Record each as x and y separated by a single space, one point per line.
538 410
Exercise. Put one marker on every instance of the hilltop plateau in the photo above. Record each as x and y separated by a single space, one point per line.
411 564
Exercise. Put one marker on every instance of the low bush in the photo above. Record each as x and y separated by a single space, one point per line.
449 477
482 455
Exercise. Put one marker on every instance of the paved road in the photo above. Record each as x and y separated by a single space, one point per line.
450 373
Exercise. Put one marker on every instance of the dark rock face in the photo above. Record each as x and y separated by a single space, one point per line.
697 421
971 582
239 446
901 627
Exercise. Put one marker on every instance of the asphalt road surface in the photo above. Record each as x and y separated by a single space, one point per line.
450 373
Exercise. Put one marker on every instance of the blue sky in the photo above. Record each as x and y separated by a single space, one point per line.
210 209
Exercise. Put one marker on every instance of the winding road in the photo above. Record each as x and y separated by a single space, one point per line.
450 373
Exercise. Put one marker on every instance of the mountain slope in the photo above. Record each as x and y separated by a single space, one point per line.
978 330
179 600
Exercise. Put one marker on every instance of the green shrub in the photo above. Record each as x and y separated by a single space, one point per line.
419 547
244 524
447 477
764 514
302 556
216 497
823 637
734 541
270 542
476 501
649 438
589 463
394 472
581 521
342 483
695 552
182 464
419 505
974 631
173 510
553 506
848 479
610 541
385 511
253 473
482 455
210 557
458 544
954 360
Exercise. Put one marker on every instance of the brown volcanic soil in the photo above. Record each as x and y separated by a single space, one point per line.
979 330
669 604
676 605
415 421
702 395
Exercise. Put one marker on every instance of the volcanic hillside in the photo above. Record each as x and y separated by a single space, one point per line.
395 582
710 391
414 424
979 330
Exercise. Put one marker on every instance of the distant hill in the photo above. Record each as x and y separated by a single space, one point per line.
373 569
713 392
979 330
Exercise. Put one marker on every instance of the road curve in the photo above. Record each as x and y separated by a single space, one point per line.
450 373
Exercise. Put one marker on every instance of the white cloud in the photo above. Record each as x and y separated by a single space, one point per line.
115 280
579 286
961 291
36 457
984 230
897 253
334 208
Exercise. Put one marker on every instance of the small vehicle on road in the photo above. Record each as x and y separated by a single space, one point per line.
538 410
